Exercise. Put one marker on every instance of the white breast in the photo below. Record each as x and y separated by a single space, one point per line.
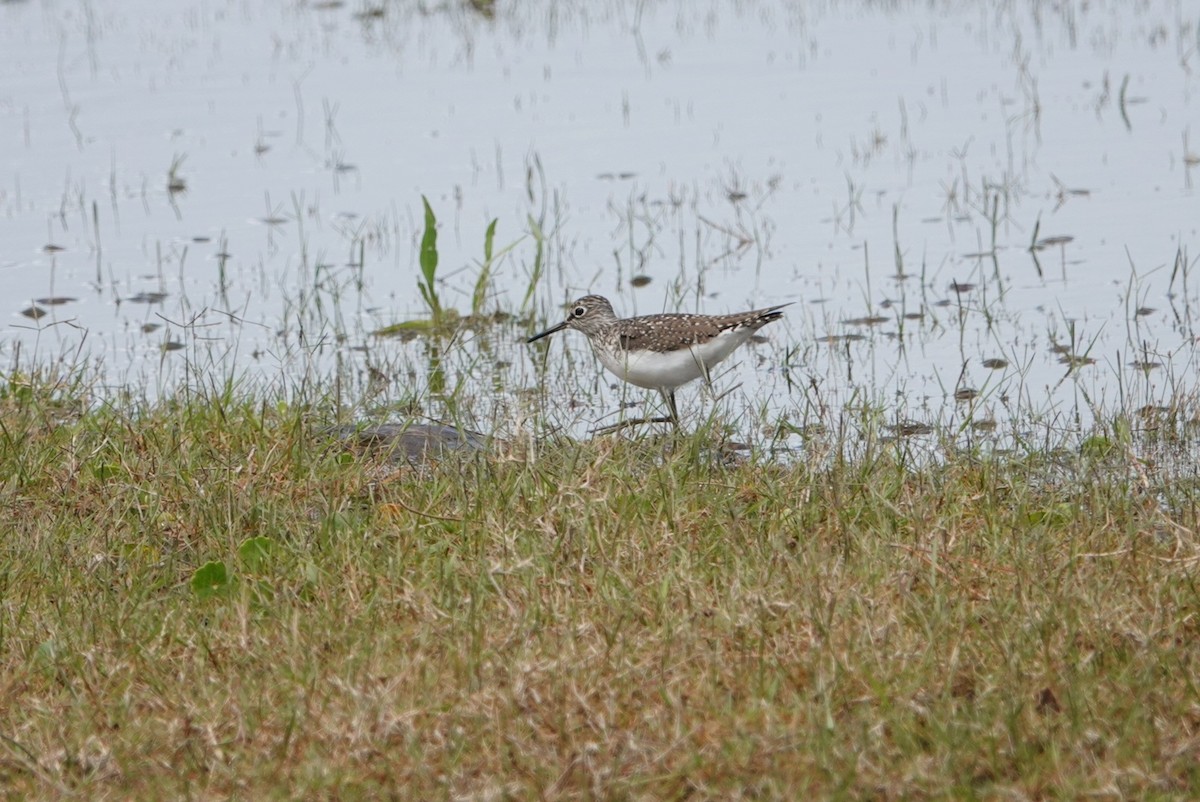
670 369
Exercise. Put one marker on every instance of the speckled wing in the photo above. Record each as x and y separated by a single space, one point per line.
671 332
667 332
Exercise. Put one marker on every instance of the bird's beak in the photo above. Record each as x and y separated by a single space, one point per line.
548 332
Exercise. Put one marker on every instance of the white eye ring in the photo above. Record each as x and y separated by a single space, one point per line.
579 311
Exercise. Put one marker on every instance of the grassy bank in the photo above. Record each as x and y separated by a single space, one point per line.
205 598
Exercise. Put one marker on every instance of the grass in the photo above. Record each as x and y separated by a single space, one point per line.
618 618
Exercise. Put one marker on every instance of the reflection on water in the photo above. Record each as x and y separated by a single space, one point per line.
994 199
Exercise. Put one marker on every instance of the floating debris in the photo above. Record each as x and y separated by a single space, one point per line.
370 13
57 300
147 328
1142 311
1065 192
172 345
993 363
148 298
640 281
870 320
1050 242
175 182
34 312
966 394
985 425
914 315
1145 366
52 248
961 286
834 339
1075 361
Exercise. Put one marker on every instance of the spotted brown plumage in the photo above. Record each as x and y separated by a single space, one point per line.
662 351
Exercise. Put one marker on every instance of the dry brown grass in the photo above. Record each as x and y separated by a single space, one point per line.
612 619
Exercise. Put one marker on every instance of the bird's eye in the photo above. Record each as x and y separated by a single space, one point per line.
579 311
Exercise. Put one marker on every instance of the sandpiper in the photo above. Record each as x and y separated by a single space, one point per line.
661 352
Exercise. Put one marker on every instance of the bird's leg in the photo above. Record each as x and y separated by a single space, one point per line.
672 418
627 424
669 397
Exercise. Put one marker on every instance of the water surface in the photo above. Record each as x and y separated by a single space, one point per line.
979 210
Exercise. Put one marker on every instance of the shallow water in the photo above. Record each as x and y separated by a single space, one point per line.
235 189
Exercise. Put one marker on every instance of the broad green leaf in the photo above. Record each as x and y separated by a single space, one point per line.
254 552
210 579
429 254
429 262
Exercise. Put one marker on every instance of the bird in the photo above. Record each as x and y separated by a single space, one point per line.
661 352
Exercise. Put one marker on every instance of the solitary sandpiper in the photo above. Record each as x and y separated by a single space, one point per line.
661 352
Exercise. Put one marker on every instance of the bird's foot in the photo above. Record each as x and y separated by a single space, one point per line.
626 424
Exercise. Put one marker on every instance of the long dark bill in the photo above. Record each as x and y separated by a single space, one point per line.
547 332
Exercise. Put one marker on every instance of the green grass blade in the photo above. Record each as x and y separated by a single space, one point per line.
538 265
485 273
